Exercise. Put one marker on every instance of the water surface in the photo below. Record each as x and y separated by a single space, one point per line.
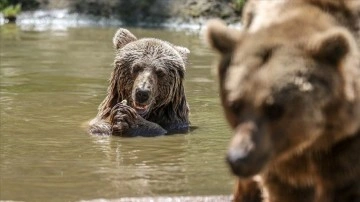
53 81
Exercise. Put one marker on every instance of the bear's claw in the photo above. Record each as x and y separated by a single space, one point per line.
122 118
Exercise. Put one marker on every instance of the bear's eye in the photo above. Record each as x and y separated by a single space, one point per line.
265 54
237 107
160 73
273 111
136 69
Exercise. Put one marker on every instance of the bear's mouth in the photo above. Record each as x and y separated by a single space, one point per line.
141 109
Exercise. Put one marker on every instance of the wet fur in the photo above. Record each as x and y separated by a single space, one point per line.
168 112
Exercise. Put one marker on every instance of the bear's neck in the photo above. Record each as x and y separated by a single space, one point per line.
169 114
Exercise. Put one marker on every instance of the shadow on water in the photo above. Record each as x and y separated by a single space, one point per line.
52 81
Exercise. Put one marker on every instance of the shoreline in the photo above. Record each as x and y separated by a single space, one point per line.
62 19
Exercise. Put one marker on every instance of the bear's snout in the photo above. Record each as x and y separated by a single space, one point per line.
142 100
247 154
143 90
142 95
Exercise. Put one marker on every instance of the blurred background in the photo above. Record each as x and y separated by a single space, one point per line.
136 11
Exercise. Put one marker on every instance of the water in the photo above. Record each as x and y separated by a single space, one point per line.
52 82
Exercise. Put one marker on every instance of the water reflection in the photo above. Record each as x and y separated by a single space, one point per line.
145 166
52 81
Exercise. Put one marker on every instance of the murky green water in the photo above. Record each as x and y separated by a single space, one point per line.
53 81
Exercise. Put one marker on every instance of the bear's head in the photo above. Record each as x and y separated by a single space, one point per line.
149 74
284 91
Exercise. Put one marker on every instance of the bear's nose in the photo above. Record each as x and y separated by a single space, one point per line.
142 95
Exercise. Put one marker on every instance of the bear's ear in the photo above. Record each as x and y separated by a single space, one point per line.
331 46
184 52
220 37
122 37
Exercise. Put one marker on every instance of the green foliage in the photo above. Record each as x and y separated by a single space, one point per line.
3 4
25 4
239 4
12 11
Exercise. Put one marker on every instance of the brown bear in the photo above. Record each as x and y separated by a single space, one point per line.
290 89
146 94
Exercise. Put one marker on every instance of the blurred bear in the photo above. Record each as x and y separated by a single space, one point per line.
290 89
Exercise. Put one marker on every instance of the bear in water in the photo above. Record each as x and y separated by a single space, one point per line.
146 95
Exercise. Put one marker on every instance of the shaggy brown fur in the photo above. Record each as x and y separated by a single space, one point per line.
148 74
247 190
290 89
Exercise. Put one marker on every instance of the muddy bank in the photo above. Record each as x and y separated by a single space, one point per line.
140 12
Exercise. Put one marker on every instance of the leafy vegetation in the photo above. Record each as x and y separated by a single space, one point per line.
11 10
239 4
3 4
25 4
